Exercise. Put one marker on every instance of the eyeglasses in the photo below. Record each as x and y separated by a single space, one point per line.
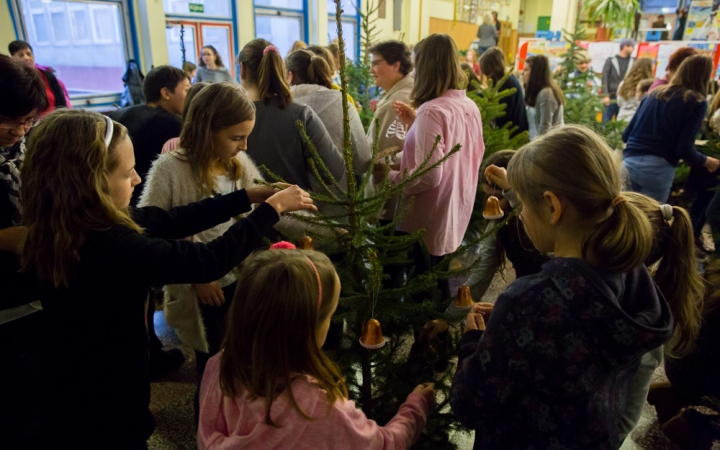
26 124
376 62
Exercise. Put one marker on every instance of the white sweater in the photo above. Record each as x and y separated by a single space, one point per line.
170 183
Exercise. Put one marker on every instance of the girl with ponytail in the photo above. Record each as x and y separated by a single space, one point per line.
674 268
553 364
276 141
310 79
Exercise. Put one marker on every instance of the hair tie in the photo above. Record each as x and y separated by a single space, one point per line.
108 131
617 200
285 245
667 212
270 48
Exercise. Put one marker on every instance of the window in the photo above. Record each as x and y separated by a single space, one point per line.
211 8
97 64
281 31
659 6
219 37
349 27
173 41
281 22
60 27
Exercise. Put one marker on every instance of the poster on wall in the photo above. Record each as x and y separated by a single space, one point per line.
664 51
552 50
702 23
600 52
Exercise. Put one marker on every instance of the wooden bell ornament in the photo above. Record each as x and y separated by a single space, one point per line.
372 336
493 209
306 243
464 298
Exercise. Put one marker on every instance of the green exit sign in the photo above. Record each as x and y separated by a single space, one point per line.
197 7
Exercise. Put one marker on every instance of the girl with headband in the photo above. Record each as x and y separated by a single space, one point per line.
96 260
272 386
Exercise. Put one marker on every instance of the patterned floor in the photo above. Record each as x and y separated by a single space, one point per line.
172 401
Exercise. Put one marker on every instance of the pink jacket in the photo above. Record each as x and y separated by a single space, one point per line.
445 196
237 423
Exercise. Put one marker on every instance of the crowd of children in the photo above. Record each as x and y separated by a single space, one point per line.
95 210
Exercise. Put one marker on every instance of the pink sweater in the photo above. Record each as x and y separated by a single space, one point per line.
237 423
444 198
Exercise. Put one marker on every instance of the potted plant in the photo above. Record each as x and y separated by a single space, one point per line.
611 14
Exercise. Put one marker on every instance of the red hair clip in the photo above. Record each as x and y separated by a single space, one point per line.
283 245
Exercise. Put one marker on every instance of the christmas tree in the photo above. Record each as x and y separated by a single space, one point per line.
380 379
583 104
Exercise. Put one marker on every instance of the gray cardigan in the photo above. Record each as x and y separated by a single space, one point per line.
205 74
327 104
276 142
488 35
547 113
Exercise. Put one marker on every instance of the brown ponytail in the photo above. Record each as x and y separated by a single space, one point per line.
677 275
308 68
264 68
589 178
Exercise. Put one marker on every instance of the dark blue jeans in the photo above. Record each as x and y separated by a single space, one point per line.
611 110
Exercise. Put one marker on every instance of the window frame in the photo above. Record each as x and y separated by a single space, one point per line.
274 11
198 16
355 19
128 37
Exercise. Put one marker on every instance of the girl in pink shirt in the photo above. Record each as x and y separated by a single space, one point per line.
272 387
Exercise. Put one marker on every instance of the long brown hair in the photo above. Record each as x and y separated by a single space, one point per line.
692 79
265 69
271 337
492 64
308 68
66 191
641 69
218 106
436 69
218 59
677 275
540 78
191 93
620 233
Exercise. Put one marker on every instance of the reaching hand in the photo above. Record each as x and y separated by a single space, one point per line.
606 101
712 164
405 112
497 176
427 390
474 321
291 199
210 294
260 193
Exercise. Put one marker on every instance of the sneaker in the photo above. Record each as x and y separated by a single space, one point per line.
162 362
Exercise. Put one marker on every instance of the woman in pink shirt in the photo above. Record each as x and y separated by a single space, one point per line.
272 387
444 197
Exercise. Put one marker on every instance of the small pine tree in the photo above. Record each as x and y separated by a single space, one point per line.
583 104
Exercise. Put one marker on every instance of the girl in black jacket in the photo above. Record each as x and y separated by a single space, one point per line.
96 260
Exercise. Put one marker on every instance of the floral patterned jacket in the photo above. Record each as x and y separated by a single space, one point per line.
552 368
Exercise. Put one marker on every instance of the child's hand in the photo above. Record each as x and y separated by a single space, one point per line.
474 321
210 294
497 176
260 193
427 390
435 327
405 112
484 308
291 199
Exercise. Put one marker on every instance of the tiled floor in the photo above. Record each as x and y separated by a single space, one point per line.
172 401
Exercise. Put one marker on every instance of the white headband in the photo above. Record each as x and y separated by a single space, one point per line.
667 212
108 131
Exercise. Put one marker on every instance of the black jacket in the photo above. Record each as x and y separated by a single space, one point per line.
98 385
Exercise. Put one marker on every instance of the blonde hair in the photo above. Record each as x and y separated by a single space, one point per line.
692 78
66 192
216 107
266 70
590 179
487 19
641 69
271 336
436 69
297 45
677 275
